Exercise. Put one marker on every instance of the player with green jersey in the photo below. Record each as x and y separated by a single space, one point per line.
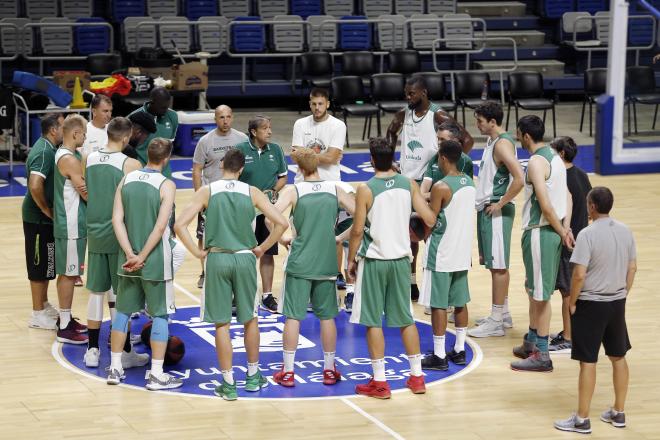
500 181
69 225
141 214
448 257
311 268
231 252
103 170
380 239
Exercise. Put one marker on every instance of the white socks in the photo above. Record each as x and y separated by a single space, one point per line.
157 367
379 369
506 306
115 361
350 288
460 339
496 312
228 376
439 346
289 359
415 364
328 360
253 367
265 294
65 318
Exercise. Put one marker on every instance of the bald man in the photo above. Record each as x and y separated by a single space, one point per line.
207 160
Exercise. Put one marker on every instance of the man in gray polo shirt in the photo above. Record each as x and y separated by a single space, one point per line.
604 268
207 160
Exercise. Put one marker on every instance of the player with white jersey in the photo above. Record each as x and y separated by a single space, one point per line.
379 260
448 257
97 133
546 204
419 144
500 181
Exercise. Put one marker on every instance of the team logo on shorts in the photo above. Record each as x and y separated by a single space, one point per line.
200 372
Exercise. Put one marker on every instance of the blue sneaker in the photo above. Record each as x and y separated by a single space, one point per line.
341 282
348 302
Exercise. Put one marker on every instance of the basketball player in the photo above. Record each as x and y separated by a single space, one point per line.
70 225
207 160
231 253
37 215
500 181
448 257
97 135
143 127
311 267
546 200
419 143
104 169
381 232
141 214
342 232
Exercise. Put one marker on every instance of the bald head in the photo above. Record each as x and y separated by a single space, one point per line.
223 119
159 101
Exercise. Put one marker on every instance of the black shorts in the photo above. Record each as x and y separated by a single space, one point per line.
565 272
39 251
262 232
596 322
200 226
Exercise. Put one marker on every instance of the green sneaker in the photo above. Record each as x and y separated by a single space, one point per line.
255 382
226 391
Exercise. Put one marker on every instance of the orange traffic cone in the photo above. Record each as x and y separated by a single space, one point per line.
78 101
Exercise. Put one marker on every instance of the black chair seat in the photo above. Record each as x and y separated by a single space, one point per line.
392 106
446 105
535 103
647 98
323 83
360 109
475 102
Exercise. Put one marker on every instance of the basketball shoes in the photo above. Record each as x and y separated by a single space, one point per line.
164 382
331 377
416 384
284 378
226 391
537 361
255 382
70 335
487 328
574 424
41 320
375 389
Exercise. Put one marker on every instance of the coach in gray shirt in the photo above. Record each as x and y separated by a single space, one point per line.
207 160
604 268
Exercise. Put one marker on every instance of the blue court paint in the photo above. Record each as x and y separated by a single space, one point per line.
355 167
200 371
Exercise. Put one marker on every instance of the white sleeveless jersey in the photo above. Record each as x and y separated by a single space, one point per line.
419 143
493 181
557 191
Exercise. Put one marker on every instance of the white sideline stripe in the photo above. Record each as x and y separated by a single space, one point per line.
373 419
186 292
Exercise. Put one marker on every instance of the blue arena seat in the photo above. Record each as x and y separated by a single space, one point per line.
640 31
248 38
91 39
122 9
354 36
591 6
305 8
557 8
193 9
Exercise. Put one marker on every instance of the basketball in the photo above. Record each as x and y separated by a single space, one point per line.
419 231
175 346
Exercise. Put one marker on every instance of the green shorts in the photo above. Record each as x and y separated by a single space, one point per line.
494 236
297 293
134 292
229 277
102 272
383 287
70 256
443 289
541 249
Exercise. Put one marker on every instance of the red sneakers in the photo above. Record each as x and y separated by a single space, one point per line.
330 377
285 378
69 335
376 389
80 328
416 384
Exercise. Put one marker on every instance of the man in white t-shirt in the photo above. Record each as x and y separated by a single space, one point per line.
97 137
322 132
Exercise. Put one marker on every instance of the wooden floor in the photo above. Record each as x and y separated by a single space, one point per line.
41 399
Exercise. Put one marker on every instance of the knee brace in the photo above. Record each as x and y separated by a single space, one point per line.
120 322
159 330
95 306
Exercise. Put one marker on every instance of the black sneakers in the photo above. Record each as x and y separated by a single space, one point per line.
433 362
457 358
269 303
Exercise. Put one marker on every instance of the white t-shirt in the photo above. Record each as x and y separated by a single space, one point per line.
96 139
329 133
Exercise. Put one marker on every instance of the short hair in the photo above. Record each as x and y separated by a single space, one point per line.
159 93
318 92
74 122
417 80
233 161
451 127
159 149
451 150
118 128
602 199
567 145
306 159
51 120
255 123
490 110
533 126
98 99
382 153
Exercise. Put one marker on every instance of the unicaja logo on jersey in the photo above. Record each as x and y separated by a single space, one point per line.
144 177
230 185
389 183
463 180
104 158
316 187
414 145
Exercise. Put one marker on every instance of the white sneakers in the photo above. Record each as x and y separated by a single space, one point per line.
42 320
488 327
91 357
51 311
506 320
133 359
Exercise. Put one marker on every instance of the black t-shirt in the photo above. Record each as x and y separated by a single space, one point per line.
579 186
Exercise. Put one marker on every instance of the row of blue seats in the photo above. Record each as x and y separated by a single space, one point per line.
557 8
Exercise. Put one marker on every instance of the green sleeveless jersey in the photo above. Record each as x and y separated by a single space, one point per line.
103 174
140 196
313 253
229 217
69 208
387 227
494 181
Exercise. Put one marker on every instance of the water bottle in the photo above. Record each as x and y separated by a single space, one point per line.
484 90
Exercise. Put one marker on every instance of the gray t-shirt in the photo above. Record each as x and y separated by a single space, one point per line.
210 151
605 247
